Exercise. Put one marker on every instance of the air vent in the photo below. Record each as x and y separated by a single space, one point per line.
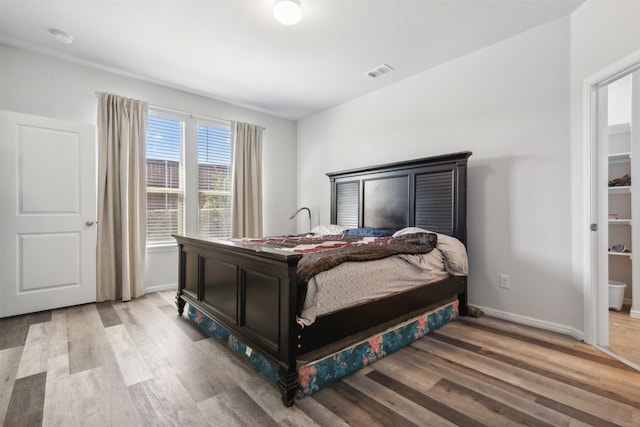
379 71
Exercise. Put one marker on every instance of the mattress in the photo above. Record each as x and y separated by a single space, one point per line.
353 283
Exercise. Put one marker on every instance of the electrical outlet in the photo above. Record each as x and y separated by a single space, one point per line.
504 281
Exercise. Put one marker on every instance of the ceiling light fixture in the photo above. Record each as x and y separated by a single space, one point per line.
61 36
287 12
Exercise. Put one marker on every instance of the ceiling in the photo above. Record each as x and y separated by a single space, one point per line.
235 51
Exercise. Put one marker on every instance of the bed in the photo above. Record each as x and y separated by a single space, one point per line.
249 294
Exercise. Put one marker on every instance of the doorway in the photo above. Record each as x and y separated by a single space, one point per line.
614 109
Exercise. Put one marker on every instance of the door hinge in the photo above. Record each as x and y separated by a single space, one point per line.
593 227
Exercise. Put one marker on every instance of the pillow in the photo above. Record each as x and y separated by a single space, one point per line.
369 232
329 230
454 252
455 255
427 239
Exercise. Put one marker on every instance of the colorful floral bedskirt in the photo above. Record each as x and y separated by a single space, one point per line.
317 374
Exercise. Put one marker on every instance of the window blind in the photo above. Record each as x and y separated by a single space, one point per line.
214 181
165 188
348 195
435 209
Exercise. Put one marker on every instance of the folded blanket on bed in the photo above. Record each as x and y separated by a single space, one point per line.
322 253
317 262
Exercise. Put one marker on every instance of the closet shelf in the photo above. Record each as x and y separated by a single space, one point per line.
627 254
620 190
620 221
619 128
620 157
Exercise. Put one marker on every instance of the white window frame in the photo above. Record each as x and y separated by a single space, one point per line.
190 216
180 191
214 124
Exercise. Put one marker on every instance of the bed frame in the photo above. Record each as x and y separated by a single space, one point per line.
253 292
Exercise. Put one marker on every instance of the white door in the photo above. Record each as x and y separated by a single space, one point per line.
47 214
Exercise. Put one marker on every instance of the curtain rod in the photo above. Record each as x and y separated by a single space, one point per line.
185 113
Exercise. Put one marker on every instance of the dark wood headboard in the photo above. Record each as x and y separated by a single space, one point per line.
429 193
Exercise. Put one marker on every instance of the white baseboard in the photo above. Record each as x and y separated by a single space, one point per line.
634 313
159 288
530 321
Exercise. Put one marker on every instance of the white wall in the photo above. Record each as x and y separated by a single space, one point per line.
41 85
511 104
619 99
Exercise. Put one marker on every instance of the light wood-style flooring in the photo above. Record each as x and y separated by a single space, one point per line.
138 364
624 334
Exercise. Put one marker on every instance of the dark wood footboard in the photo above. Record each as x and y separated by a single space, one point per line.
251 292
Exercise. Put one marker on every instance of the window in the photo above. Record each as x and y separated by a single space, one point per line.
214 181
187 171
165 189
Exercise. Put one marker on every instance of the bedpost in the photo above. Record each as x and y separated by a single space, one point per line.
463 310
180 302
288 384
290 335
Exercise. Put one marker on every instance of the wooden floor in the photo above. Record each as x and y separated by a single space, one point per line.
138 364
624 334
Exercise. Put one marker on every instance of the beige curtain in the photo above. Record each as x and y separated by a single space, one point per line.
246 190
122 200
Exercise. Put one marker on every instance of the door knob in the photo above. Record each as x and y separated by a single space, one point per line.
89 223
